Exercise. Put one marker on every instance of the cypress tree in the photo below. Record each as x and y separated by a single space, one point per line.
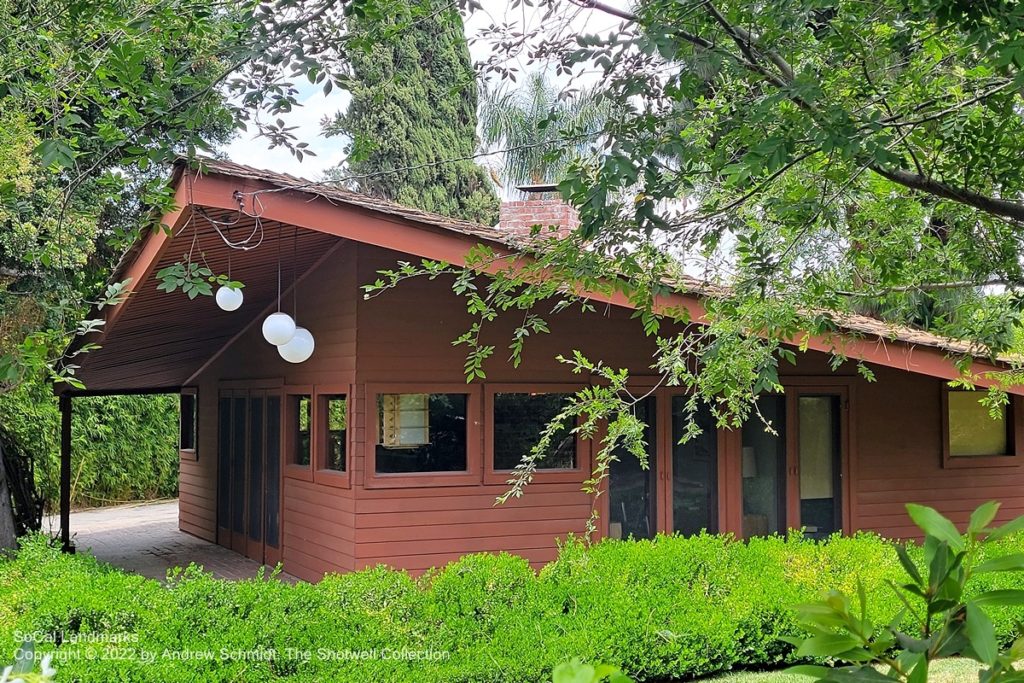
413 108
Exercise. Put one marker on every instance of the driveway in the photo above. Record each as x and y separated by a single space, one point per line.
144 538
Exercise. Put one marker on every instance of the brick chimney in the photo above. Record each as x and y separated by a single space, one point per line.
543 206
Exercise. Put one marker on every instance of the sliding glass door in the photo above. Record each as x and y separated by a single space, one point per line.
678 491
792 457
632 489
763 468
694 490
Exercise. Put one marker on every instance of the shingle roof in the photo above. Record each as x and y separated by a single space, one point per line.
851 323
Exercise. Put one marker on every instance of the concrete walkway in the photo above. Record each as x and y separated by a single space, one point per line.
144 538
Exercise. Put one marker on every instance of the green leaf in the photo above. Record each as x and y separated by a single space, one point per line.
830 645
934 524
55 153
908 564
982 517
1011 527
1006 596
981 634
1006 563
574 672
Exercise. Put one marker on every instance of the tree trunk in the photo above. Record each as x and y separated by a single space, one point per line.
8 538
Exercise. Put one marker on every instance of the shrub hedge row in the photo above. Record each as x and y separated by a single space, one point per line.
672 608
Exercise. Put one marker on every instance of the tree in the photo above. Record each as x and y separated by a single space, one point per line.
540 127
413 115
806 154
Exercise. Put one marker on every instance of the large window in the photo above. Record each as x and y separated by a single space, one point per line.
421 432
334 413
972 430
187 422
519 423
301 420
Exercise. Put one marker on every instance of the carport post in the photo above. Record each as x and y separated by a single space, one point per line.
65 473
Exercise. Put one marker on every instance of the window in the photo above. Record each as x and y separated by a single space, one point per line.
422 433
972 431
301 407
519 422
335 418
187 422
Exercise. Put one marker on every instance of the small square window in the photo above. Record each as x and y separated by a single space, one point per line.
972 430
301 407
187 422
335 412
519 422
421 433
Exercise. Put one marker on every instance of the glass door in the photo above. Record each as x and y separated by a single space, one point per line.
694 492
763 468
632 490
819 448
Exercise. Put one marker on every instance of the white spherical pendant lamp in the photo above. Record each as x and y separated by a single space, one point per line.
278 328
229 298
299 348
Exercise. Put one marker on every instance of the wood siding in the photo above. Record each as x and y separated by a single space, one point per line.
899 459
197 474
404 337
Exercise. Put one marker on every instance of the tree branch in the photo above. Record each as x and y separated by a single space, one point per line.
993 205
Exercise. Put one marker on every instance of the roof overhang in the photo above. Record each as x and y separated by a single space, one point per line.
156 341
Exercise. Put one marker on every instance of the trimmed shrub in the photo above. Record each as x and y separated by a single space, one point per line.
672 608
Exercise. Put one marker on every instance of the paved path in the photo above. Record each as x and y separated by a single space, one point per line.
144 538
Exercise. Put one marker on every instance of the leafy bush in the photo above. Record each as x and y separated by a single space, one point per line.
948 615
670 608
111 463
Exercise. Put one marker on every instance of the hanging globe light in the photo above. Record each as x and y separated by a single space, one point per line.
229 298
299 348
278 328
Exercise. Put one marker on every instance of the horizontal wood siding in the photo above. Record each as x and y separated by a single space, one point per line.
898 459
317 521
404 337
197 472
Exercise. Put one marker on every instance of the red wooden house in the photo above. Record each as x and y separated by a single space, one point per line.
375 450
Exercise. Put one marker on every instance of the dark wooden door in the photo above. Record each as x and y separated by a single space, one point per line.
249 468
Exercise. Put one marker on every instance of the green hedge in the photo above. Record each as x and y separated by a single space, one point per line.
123 447
673 608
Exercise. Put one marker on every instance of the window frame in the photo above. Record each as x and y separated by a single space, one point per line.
189 453
471 476
318 436
291 468
1015 436
561 475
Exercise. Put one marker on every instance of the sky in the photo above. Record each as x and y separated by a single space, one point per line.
251 150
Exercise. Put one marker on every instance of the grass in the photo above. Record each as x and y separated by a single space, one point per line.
945 671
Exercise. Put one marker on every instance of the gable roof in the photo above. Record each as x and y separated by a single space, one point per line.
322 216
860 324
